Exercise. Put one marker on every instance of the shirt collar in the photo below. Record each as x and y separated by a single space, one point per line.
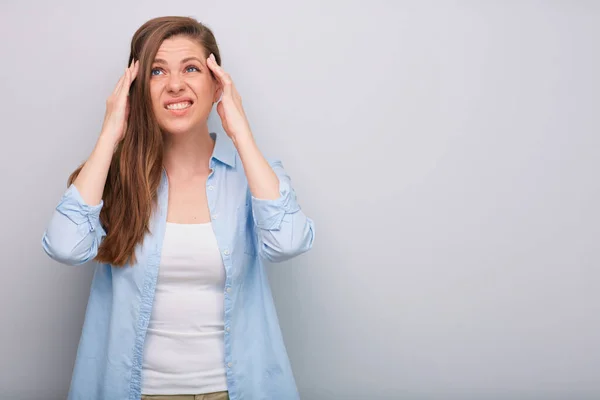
224 150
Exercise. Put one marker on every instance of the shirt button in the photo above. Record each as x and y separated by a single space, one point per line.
214 216
211 187
227 329
228 290
226 252
229 365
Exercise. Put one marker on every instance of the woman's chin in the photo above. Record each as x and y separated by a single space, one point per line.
181 128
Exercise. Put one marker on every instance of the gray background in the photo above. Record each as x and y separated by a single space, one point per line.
447 152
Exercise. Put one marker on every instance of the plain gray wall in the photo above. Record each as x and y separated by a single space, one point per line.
447 151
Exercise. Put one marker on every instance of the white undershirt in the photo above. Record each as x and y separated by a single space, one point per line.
183 351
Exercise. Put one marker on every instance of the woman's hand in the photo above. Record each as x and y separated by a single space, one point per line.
230 107
117 106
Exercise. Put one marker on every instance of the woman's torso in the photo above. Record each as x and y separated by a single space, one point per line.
110 356
184 349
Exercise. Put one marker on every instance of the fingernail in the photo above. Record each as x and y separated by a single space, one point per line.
212 56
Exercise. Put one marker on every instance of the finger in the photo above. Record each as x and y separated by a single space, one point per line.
130 74
127 110
236 94
222 76
120 82
125 76
129 79
136 68
121 94
214 68
118 86
126 83
129 70
220 110
133 69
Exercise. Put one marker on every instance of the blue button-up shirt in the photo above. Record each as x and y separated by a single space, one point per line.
248 231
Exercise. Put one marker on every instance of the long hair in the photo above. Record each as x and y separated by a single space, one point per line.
135 172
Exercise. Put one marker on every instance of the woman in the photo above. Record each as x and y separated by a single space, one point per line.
179 221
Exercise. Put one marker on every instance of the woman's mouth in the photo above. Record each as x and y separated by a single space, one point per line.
179 109
179 106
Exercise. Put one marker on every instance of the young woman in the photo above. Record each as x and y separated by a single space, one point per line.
179 221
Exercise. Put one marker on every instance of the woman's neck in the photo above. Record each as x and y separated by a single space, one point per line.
187 155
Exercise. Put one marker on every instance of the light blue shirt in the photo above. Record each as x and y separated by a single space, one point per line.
248 231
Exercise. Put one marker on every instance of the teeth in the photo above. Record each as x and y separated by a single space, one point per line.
179 106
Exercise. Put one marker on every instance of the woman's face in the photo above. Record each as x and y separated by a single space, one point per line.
182 88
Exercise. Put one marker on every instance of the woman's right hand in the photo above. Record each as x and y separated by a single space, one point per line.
117 106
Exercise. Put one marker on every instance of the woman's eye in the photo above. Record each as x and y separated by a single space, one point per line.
192 67
155 71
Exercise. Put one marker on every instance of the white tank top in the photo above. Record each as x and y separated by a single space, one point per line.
183 351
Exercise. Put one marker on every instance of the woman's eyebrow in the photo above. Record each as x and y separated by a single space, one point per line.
190 59
161 61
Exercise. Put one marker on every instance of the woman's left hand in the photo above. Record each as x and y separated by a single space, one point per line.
230 107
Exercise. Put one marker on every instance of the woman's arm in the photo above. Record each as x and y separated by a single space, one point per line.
74 232
284 231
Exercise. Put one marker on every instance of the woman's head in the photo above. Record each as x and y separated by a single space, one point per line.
172 52
173 72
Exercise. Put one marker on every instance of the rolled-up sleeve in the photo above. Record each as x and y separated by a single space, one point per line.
74 232
283 230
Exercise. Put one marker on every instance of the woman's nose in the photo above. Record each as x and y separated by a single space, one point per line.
175 83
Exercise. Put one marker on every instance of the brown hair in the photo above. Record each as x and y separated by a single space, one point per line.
135 172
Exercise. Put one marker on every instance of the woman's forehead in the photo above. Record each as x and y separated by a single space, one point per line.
179 46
